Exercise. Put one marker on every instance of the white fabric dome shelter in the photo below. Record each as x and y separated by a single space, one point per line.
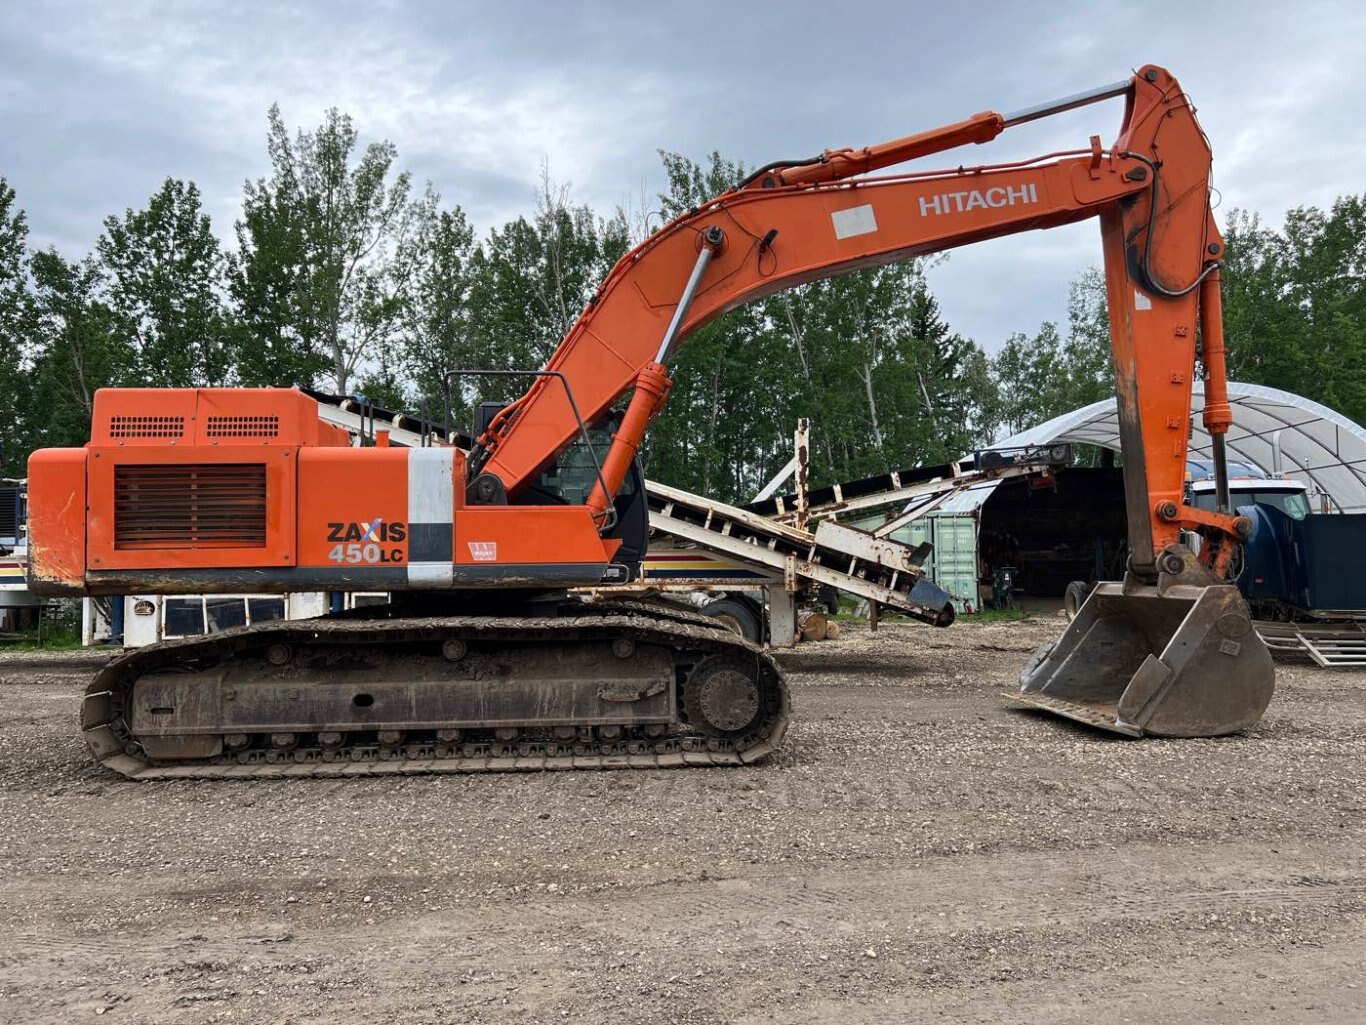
1317 445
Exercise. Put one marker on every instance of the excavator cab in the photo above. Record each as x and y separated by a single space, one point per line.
570 478
1178 658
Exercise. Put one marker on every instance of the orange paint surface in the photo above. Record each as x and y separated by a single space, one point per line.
514 534
342 489
56 516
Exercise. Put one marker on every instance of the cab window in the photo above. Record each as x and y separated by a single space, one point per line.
1293 503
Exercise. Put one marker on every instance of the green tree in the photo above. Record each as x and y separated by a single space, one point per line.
166 278
1027 370
1087 353
528 282
434 326
574 251
16 312
269 279
325 254
383 385
885 380
982 400
1046 374
508 327
81 347
1295 303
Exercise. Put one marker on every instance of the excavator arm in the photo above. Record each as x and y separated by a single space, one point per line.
793 222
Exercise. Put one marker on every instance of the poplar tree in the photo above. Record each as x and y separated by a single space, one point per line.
166 277
16 313
324 256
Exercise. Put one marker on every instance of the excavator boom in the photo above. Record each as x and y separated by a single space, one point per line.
239 490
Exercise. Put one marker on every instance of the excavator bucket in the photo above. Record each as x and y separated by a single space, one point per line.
1171 660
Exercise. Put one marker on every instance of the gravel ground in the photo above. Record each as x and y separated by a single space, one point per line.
919 849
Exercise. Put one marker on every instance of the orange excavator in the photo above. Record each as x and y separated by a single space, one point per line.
483 660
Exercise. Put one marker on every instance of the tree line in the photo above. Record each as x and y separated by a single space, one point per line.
347 277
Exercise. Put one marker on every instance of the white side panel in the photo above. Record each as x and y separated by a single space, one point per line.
305 604
141 629
431 574
430 485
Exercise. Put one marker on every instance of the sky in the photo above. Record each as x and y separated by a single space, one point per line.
101 101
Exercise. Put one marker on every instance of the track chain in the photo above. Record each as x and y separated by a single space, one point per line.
110 739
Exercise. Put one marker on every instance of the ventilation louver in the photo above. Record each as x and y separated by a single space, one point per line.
243 427
146 426
214 505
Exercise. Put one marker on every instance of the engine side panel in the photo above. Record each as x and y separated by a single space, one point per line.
223 490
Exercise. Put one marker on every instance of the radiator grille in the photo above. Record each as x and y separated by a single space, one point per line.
147 427
215 505
243 426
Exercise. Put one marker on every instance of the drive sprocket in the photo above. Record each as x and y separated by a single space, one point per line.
723 697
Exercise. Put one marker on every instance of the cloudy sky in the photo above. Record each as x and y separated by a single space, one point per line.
100 101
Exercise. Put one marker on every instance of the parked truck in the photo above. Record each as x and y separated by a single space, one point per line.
1301 570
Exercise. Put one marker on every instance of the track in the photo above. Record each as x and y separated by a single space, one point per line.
698 644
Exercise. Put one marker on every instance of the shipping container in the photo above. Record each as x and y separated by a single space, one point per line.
953 562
